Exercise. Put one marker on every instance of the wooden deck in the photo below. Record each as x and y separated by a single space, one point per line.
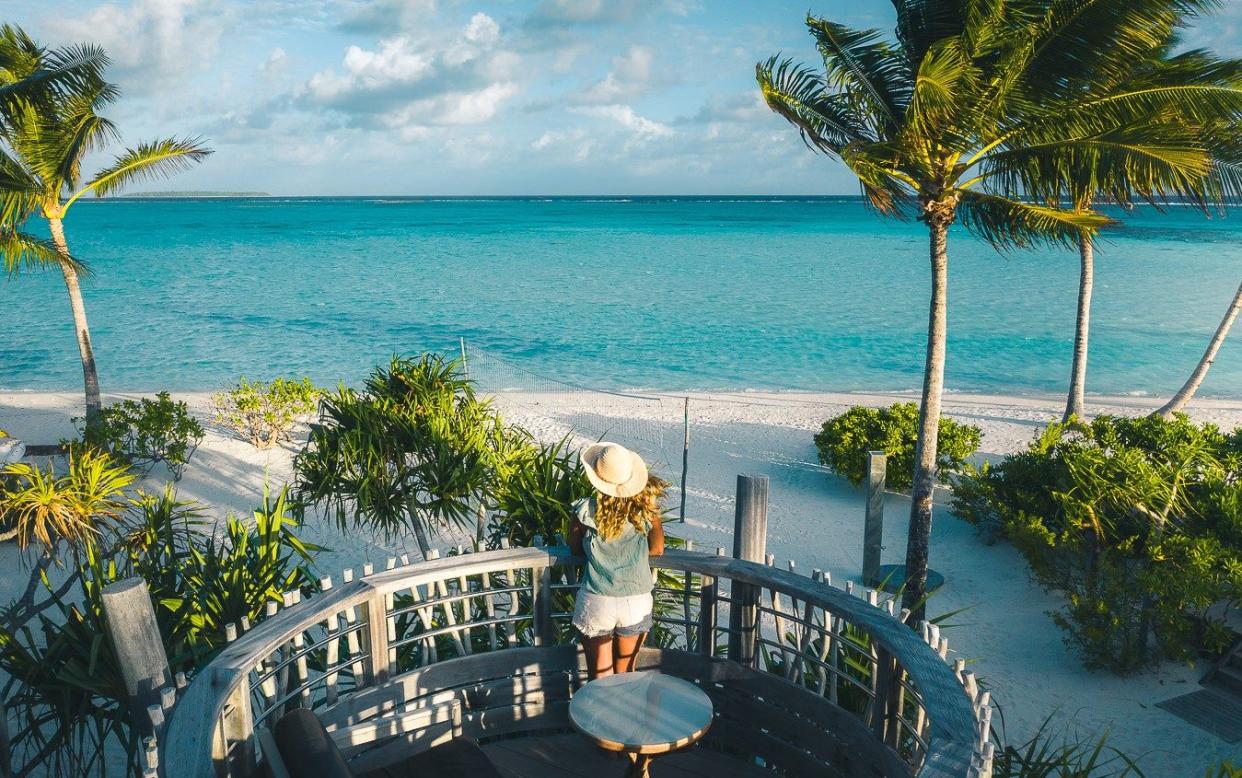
562 756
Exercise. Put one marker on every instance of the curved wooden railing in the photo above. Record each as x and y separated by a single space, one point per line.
430 650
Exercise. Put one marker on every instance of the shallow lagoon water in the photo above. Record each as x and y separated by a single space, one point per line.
668 293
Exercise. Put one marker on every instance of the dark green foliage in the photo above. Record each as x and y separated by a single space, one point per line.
411 451
844 441
538 496
1224 769
1137 521
65 703
1069 756
146 432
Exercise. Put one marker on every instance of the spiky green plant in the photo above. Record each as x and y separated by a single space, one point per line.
64 700
408 453
977 112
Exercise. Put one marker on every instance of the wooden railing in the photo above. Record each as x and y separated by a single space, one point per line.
809 676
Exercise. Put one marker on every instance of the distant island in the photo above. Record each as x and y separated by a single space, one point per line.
130 195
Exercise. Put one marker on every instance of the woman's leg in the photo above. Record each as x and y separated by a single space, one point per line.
625 652
598 652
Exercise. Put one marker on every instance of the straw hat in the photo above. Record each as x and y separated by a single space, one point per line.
614 469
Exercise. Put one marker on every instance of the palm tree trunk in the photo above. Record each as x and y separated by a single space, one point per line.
1074 405
1209 356
929 423
90 376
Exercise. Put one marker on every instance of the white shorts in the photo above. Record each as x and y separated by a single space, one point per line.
597 615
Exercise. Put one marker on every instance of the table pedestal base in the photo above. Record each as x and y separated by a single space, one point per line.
639 766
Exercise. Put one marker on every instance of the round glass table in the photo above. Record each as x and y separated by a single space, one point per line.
641 714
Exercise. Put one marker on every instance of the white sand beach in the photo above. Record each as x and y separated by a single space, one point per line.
815 519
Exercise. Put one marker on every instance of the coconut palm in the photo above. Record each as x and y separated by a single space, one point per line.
975 104
30 75
42 144
1179 400
1189 160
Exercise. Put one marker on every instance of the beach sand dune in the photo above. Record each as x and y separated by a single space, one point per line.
815 519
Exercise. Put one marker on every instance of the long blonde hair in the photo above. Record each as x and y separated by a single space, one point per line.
640 511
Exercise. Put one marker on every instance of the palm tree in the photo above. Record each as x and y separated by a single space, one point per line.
42 144
976 104
1188 161
1179 400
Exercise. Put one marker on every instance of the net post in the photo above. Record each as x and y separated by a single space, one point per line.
465 366
685 457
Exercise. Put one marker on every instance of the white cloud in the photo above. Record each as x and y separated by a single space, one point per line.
275 62
630 76
482 29
407 82
575 142
152 43
626 117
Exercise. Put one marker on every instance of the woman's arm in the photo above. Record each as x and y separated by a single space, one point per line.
576 533
655 538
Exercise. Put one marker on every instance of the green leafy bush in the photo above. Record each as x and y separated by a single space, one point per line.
1137 521
147 431
844 441
67 705
263 414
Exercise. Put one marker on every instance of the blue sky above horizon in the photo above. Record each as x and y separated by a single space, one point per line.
471 97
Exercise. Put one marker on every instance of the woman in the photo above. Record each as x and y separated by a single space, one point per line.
617 530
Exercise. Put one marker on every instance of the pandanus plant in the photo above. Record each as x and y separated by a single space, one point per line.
42 144
976 106
408 452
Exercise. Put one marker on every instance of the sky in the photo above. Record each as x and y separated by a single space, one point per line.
470 97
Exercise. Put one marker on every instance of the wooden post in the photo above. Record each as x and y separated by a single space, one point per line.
139 650
541 622
465 366
685 457
750 540
873 528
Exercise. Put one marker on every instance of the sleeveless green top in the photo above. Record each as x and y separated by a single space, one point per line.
615 568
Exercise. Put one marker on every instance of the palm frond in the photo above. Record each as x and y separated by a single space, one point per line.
861 64
1007 223
29 74
920 23
20 192
888 190
74 134
147 161
23 251
1156 163
945 79
799 94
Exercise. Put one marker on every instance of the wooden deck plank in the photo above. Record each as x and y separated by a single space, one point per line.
1209 710
563 756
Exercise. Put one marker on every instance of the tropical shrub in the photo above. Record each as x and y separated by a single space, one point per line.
146 432
67 706
844 441
263 414
1138 522
412 451
41 506
538 498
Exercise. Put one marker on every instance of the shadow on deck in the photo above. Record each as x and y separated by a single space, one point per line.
562 756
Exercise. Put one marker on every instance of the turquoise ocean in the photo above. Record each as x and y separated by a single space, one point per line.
646 292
